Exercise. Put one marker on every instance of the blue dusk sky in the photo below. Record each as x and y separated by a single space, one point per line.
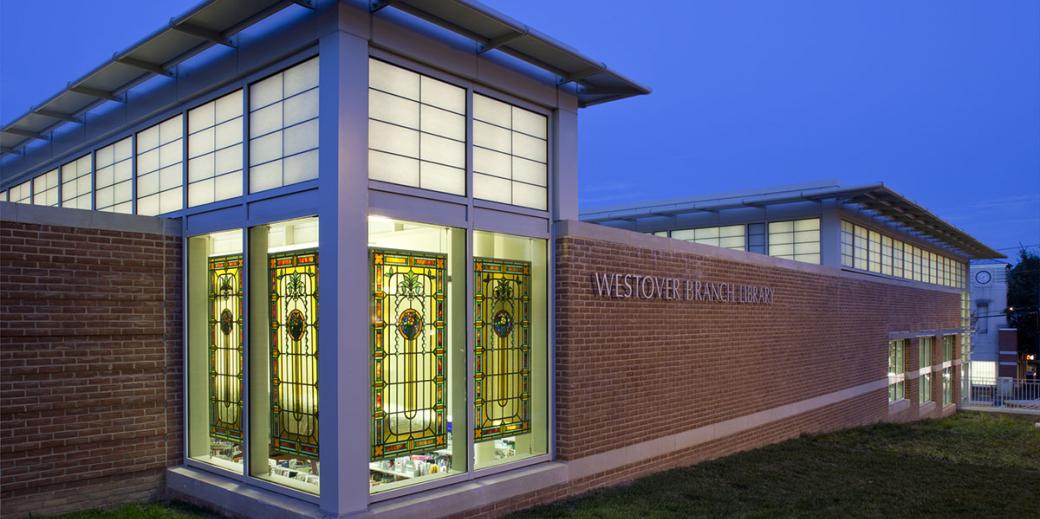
938 99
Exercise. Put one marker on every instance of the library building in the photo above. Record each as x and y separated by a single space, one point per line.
324 258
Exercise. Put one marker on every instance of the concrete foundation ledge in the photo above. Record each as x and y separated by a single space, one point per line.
240 500
470 495
233 498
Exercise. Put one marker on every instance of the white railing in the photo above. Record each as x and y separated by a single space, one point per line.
1004 392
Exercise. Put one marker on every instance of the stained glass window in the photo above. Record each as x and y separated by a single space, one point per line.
225 348
502 365
409 374
294 352
215 337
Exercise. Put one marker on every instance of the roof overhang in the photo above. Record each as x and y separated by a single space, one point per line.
876 199
212 22
594 82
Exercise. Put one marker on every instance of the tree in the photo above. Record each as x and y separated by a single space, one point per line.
1023 311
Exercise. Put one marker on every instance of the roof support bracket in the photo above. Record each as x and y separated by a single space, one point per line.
582 74
201 32
94 92
59 116
377 5
499 41
144 65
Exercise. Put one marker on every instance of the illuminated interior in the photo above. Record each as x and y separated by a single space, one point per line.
284 353
215 338
418 352
510 348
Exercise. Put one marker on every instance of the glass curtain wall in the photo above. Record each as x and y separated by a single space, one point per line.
510 355
275 291
418 417
215 347
283 359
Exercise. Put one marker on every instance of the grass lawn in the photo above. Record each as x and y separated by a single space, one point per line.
970 464
967 465
143 511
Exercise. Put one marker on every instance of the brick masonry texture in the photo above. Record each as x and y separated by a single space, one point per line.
91 361
629 370
90 366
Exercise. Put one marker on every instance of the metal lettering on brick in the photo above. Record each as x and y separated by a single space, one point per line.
617 285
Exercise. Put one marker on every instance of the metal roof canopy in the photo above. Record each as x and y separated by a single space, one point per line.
595 83
875 198
210 23
214 21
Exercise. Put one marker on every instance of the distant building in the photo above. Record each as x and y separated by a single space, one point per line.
988 295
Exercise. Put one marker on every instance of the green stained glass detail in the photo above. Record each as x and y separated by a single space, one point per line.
408 340
294 352
225 347
502 349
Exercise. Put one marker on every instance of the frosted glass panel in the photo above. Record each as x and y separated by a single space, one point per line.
265 120
422 121
265 92
491 137
529 171
283 128
529 196
442 151
216 144
160 167
114 175
493 111
491 162
394 80
491 188
535 125
265 176
228 160
301 78
442 178
393 168
228 134
443 123
300 138
443 95
393 109
200 143
198 170
510 144
797 240
45 189
201 118
303 166
75 183
393 139
730 236
228 107
303 107
265 149
22 193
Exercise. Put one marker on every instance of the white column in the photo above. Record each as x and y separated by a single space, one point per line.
343 170
565 160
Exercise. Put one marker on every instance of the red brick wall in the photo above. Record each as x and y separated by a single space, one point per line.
90 366
629 370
